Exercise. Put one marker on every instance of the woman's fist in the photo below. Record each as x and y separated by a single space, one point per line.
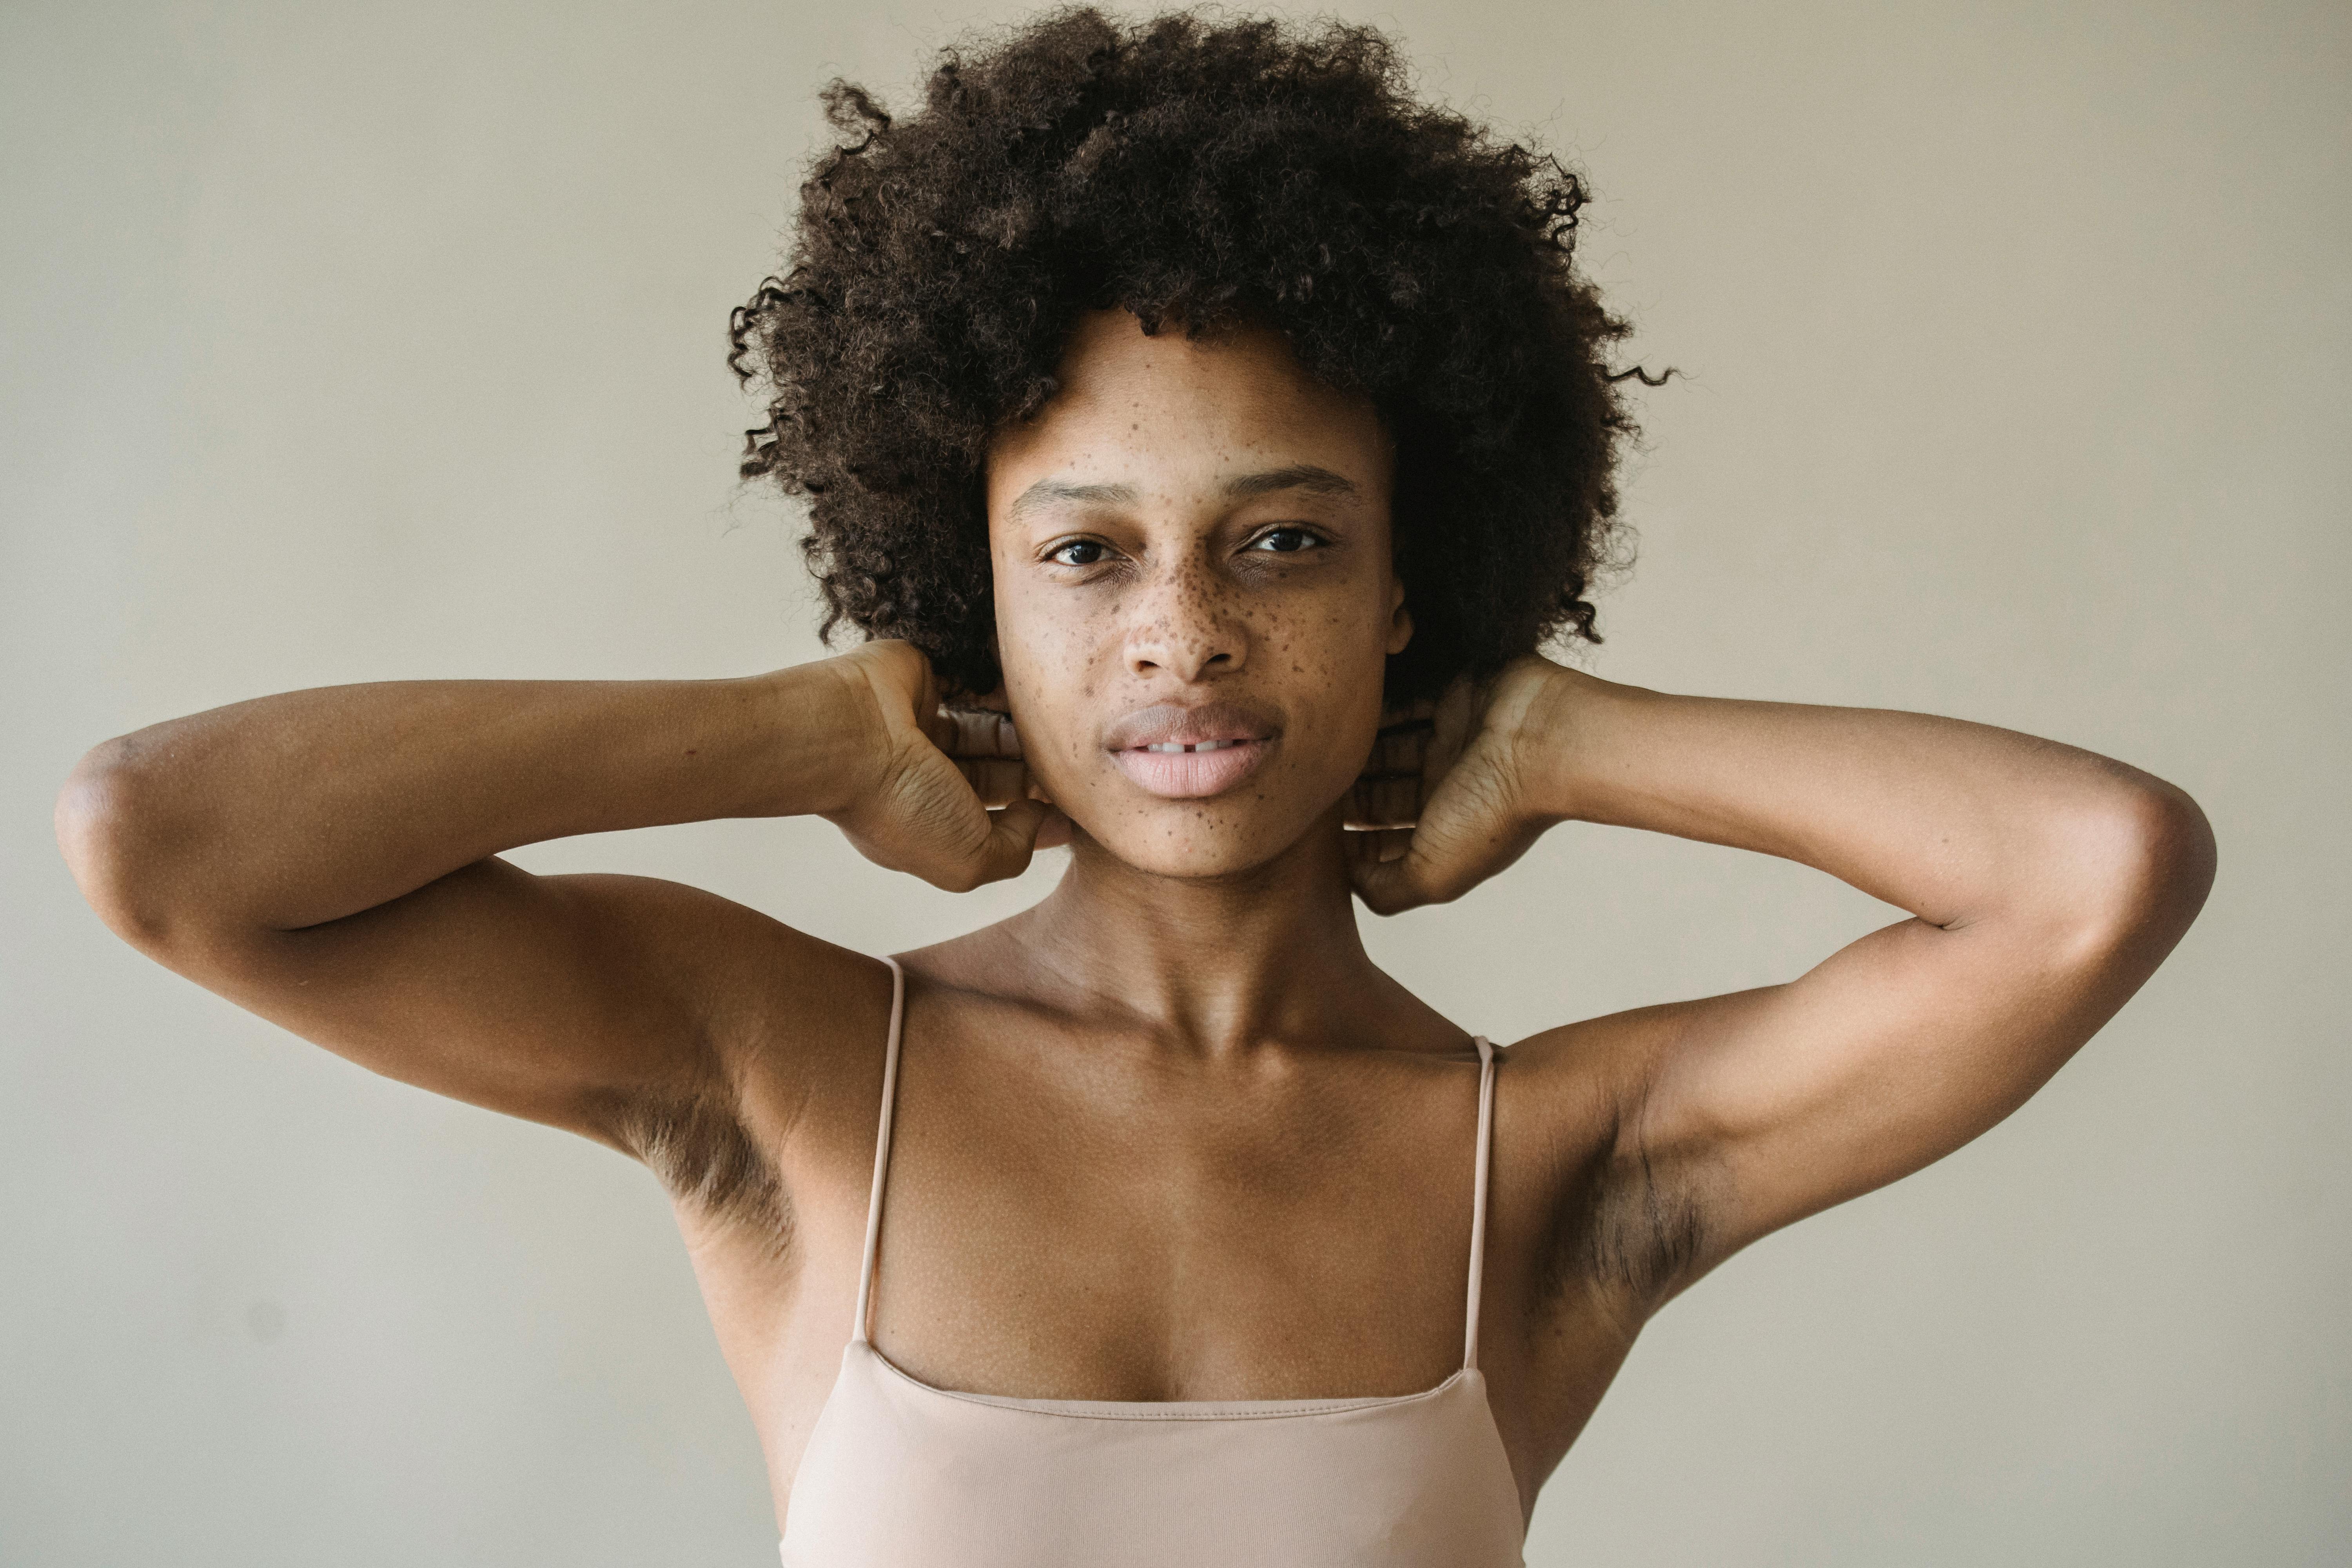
1441 804
944 796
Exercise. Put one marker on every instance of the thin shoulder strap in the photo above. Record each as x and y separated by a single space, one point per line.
1478 1196
882 1148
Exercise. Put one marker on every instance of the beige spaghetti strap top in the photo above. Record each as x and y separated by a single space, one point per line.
898 1474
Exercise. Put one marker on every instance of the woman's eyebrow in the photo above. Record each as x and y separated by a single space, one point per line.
1298 476
1295 476
1044 492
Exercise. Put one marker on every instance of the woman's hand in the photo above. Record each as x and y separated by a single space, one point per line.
948 799
1442 805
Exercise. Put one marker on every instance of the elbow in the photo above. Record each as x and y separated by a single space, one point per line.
2170 855
110 828
2146 863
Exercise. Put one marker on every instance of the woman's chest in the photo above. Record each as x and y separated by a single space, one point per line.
1303 1231
1149 1262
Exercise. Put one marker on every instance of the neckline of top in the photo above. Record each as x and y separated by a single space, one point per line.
1163 1409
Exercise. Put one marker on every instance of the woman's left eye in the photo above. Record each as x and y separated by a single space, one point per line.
1285 540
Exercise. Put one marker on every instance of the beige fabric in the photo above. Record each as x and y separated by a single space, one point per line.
898 1474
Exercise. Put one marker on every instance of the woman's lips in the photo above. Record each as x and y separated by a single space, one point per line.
1190 751
1205 768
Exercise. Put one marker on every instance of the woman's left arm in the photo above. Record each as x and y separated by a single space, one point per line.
2045 883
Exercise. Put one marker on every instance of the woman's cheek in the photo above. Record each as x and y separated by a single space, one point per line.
1053 711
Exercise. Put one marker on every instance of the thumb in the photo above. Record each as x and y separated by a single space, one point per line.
1013 837
1392 886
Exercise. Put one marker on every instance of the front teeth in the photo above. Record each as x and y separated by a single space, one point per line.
1179 746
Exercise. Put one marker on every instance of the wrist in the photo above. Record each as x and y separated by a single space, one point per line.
825 737
1566 726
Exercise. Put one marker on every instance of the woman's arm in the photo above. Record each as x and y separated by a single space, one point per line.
328 859
2045 884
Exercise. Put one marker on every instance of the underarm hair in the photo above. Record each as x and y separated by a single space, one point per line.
699 1148
1633 1222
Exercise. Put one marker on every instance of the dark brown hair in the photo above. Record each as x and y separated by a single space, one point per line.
1195 174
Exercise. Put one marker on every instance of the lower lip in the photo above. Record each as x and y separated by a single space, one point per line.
1189 775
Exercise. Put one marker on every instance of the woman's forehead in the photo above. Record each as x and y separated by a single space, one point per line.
1138 412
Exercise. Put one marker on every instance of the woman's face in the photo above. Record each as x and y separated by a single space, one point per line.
1195 599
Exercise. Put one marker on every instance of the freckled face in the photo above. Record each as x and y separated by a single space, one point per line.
1194 595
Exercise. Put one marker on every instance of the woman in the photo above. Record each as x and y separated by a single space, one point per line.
1207 438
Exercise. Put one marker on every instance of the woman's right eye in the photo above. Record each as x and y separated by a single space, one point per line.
1078 553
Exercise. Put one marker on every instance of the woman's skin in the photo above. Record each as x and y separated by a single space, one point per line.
1168 1134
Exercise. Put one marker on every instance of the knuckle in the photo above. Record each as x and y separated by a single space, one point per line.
961 876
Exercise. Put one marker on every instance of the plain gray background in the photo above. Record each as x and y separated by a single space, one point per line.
345 342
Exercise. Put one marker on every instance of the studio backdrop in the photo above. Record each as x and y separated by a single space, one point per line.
344 343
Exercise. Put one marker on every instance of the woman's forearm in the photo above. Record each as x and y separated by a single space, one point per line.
291 810
1948 819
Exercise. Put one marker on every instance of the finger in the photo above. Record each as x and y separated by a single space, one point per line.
1388 791
1012 835
1383 802
1400 740
981 734
1401 874
1417 711
1379 843
1399 751
1457 714
1397 775
998 781
1386 874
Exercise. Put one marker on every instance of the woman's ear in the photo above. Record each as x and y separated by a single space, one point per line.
1400 620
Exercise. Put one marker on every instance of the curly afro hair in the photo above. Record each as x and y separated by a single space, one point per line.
1202 174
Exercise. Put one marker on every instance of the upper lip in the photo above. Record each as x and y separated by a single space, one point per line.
1170 723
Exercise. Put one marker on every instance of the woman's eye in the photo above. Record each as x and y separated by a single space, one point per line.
1285 541
1078 553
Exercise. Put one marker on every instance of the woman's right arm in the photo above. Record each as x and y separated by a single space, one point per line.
329 860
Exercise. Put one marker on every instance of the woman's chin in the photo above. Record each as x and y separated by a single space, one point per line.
1195 840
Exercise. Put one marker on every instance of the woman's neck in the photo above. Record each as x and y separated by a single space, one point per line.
1215 964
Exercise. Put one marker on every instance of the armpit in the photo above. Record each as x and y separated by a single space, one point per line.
1629 1226
703 1154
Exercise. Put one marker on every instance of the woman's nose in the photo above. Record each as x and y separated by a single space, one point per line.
1183 625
